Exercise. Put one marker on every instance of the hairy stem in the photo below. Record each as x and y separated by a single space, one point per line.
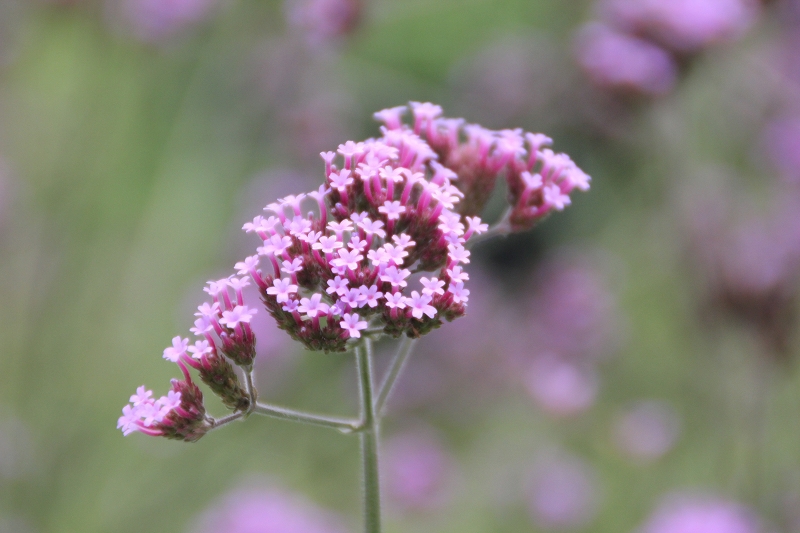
219 422
282 413
252 393
369 439
398 363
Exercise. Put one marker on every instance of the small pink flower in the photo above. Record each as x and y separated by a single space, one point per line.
403 241
340 180
129 421
379 257
370 295
357 244
337 285
391 116
458 253
395 254
327 245
200 348
460 294
554 197
293 266
420 305
352 298
281 289
395 300
313 306
250 264
396 277
392 210
202 326
240 314
432 286
348 259
340 227
169 402
372 227
178 348
351 148
142 396
353 325
457 274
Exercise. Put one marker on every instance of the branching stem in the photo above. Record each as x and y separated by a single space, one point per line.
282 413
398 363
219 422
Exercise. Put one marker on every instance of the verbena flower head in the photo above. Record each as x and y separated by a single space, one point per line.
619 61
178 415
381 246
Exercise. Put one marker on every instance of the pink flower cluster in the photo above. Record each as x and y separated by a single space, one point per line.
391 207
178 415
383 248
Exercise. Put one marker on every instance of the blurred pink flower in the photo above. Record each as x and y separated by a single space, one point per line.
562 493
561 388
749 262
619 61
781 140
682 25
157 20
694 513
266 510
646 430
573 314
416 470
323 21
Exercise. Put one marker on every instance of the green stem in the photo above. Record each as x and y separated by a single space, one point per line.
250 387
225 420
369 440
398 363
282 413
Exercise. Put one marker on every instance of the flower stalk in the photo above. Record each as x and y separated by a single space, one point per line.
369 439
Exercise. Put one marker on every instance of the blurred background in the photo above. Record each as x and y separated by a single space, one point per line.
627 366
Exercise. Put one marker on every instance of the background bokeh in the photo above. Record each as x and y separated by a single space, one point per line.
629 365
